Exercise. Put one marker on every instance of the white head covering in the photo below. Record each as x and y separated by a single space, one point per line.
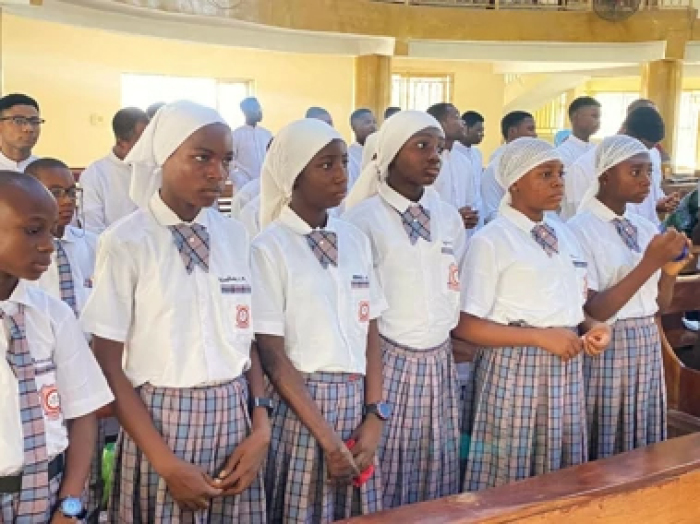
391 137
612 151
519 158
291 151
169 128
370 149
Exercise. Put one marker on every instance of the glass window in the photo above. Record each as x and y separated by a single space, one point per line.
418 91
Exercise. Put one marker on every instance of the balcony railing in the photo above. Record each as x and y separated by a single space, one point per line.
557 5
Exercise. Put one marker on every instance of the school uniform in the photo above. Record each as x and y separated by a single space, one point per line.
249 148
106 198
416 251
625 388
355 151
48 376
458 184
178 296
326 341
243 196
491 190
528 409
250 217
473 154
10 165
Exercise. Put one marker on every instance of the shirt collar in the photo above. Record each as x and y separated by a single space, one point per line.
520 220
19 166
20 295
291 220
70 234
602 211
167 217
400 202
578 142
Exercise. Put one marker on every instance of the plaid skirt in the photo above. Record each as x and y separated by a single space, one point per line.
528 416
201 426
296 479
419 454
625 390
9 503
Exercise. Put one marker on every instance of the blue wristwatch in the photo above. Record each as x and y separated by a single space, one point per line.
71 507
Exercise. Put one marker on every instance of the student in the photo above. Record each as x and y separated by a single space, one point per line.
514 125
105 182
50 384
249 144
417 243
20 127
473 136
323 359
391 111
584 115
631 274
523 291
173 286
363 124
457 183
319 114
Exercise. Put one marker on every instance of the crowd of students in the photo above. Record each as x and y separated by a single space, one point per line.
312 364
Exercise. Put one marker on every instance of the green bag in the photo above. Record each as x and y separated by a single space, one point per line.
107 471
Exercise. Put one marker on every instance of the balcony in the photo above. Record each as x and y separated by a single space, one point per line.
546 5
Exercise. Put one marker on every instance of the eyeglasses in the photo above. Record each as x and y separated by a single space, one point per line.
21 121
72 192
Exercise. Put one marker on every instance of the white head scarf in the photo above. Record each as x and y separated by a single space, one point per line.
612 151
370 149
169 128
391 137
519 158
291 151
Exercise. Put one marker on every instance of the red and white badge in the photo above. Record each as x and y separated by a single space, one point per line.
50 402
242 317
453 278
363 311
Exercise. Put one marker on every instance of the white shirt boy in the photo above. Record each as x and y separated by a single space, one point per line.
249 148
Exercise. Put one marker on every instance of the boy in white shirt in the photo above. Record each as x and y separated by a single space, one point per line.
316 300
417 242
632 270
524 286
171 318
363 124
250 142
20 127
473 136
50 384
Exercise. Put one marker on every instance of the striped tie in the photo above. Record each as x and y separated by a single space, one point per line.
193 244
546 237
65 276
628 233
324 245
34 497
416 222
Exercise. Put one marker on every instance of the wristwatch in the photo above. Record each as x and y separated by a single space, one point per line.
381 409
261 402
72 507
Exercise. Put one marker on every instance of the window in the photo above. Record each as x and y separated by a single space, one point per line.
420 91
550 118
613 111
224 95
687 133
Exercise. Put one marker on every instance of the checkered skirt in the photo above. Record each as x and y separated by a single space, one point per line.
296 480
625 390
10 502
420 451
202 426
528 416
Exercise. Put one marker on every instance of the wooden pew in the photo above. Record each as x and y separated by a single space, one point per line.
654 485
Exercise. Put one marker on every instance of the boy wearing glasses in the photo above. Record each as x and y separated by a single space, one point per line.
20 126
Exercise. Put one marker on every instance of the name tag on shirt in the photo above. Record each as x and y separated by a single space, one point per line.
359 282
580 263
235 289
447 249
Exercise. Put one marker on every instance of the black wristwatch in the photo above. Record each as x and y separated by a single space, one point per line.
261 402
381 409
72 507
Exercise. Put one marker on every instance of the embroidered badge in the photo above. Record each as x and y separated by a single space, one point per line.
242 317
453 278
363 311
50 402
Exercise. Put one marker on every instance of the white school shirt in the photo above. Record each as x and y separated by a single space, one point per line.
10 165
81 249
473 154
570 151
491 191
249 148
610 260
250 217
180 330
323 314
106 197
244 195
508 277
420 281
354 163
457 183
73 386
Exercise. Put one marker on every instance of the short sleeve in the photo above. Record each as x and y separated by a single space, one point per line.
479 277
459 234
378 303
592 273
269 298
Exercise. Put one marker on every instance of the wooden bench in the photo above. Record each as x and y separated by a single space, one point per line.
654 485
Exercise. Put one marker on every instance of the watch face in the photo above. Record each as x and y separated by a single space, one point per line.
384 410
71 507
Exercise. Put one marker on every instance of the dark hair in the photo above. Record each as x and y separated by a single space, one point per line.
471 118
582 101
16 99
513 119
315 112
153 109
645 123
390 111
44 163
640 102
359 113
247 101
125 120
439 110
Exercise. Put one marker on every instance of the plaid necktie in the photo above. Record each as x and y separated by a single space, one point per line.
416 222
34 498
628 233
546 237
65 276
193 244
324 245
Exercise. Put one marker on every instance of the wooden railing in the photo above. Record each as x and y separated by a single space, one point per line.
557 5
